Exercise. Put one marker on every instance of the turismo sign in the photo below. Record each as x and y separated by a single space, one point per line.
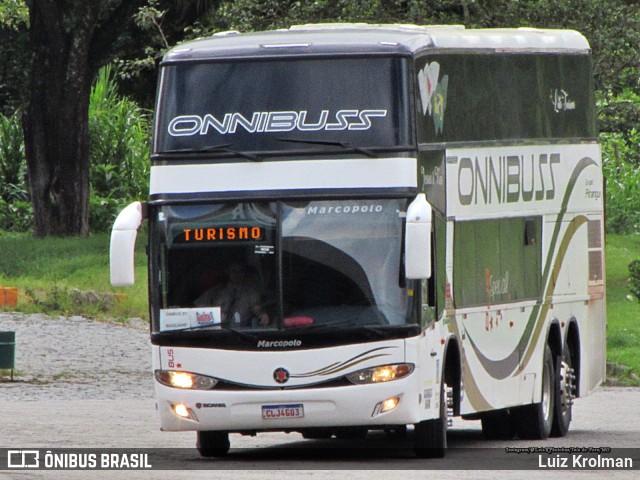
232 233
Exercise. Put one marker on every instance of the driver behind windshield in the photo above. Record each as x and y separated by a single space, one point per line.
238 299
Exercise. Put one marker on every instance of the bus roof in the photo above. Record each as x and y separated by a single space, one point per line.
353 38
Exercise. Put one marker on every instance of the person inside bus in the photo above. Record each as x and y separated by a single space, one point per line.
239 299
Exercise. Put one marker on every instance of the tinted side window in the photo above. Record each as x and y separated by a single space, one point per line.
466 97
497 261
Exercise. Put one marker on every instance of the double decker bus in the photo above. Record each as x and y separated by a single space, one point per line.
357 227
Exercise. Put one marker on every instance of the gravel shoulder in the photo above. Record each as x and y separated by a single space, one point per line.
74 358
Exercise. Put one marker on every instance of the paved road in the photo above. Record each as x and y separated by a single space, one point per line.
84 383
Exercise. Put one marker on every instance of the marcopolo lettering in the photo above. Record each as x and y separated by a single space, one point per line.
506 178
261 122
279 343
338 209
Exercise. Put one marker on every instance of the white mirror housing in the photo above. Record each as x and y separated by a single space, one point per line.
417 246
123 243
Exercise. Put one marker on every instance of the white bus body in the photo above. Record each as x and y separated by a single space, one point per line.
418 212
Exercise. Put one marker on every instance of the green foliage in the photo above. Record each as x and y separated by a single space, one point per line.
15 207
634 278
12 160
618 113
611 26
14 23
119 151
621 161
13 14
149 17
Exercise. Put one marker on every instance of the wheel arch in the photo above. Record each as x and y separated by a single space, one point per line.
452 373
572 340
554 338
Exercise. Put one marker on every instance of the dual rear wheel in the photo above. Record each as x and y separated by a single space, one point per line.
550 417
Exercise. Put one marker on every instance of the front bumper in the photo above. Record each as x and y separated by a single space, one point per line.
237 411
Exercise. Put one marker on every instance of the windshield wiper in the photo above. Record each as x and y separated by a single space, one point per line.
331 143
223 147
220 327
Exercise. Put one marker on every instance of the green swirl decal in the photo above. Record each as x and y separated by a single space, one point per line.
501 369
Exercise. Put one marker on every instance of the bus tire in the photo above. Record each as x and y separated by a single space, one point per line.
564 393
351 433
430 436
213 444
317 433
497 425
534 422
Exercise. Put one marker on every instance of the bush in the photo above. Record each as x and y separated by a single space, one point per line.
15 201
618 116
618 113
621 160
634 278
119 151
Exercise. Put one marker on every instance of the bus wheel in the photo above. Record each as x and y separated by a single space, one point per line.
351 433
534 421
396 432
430 436
317 433
564 385
497 425
213 444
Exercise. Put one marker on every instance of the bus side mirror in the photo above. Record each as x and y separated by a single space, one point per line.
417 245
123 243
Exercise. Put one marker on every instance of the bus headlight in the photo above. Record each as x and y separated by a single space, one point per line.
181 410
187 380
384 373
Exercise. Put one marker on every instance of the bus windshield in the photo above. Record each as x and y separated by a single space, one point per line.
262 106
280 265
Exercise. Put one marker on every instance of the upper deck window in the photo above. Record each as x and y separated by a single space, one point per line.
282 105
464 97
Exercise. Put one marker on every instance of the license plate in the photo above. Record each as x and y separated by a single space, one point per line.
275 412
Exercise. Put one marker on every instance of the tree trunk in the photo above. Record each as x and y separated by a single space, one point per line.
56 122
58 161
70 40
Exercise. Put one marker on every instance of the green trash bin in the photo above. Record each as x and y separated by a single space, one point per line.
8 351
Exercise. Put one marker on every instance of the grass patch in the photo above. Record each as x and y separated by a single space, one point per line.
70 276
623 311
